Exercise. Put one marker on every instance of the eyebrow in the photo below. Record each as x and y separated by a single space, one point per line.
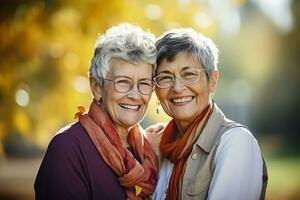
122 76
183 69
164 72
145 79
141 79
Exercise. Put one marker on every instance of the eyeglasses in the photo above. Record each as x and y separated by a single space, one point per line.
125 84
187 77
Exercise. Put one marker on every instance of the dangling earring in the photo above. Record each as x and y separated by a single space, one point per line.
98 102
158 107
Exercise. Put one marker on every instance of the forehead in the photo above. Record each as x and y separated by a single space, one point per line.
180 62
121 67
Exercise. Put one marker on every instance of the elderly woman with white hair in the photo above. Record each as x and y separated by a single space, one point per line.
204 154
105 154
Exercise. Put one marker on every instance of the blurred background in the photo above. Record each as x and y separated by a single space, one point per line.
45 48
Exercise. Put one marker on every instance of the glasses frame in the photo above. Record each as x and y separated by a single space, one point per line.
132 85
179 77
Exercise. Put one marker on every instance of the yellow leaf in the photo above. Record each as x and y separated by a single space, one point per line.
138 190
77 115
81 110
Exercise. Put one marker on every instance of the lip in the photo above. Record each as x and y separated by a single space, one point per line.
129 107
182 100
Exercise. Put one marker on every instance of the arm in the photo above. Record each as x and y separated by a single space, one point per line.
61 174
238 167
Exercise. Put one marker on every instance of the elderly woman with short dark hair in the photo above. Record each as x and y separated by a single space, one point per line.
204 154
105 154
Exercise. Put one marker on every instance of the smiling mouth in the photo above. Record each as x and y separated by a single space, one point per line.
130 107
180 101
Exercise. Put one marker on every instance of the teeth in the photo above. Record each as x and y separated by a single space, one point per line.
182 100
129 106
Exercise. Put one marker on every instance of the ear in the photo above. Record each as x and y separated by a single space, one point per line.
214 80
96 89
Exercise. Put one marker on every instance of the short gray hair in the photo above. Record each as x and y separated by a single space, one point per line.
124 41
188 40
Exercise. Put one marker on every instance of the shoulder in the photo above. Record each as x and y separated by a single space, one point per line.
71 130
67 139
237 166
66 151
237 136
74 131
238 142
63 171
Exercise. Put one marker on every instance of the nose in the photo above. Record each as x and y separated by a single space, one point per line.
134 93
178 86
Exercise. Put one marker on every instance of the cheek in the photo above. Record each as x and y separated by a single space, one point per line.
108 105
162 97
110 102
202 89
146 99
203 94
161 94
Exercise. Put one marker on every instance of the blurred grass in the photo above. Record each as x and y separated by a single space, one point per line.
284 178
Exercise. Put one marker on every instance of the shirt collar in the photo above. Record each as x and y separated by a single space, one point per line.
211 131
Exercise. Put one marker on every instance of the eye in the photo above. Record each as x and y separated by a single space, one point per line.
123 82
189 74
164 78
146 83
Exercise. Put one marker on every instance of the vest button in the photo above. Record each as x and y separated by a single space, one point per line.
194 156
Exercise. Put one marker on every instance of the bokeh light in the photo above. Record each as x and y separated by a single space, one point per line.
22 97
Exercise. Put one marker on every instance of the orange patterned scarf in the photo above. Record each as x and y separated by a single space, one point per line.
137 171
177 149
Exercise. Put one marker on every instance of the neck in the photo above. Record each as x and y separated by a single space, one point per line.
123 133
182 127
121 130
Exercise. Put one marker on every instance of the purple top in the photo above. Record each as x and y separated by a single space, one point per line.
73 169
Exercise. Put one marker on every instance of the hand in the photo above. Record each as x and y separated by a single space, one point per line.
155 131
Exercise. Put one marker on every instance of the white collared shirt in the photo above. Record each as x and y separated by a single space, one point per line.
238 169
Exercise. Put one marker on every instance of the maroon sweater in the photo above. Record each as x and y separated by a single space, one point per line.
73 169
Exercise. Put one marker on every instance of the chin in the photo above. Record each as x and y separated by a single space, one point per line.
185 118
130 123
183 115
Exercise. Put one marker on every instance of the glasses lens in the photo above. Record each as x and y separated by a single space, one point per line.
145 87
190 76
164 80
123 84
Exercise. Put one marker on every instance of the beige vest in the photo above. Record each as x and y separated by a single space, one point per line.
200 164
